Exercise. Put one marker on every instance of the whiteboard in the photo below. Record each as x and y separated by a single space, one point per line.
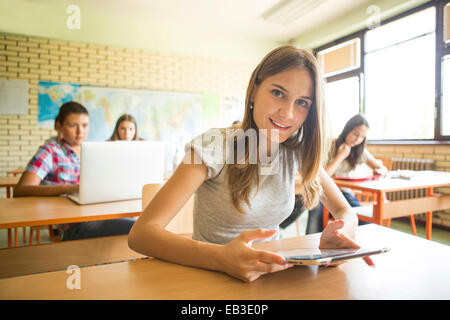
13 96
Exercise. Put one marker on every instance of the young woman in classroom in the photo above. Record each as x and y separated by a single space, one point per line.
234 203
125 129
348 152
55 170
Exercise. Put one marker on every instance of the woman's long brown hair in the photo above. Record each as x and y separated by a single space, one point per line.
310 142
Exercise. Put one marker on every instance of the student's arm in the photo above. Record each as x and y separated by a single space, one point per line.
29 186
342 153
148 235
341 232
336 203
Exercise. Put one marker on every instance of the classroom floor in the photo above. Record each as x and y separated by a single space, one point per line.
438 235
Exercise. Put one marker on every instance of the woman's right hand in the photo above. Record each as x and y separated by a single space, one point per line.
240 260
343 151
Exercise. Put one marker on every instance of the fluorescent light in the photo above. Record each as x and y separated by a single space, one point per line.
287 11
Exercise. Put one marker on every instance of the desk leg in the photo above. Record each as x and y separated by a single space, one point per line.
379 208
9 238
16 237
429 224
8 192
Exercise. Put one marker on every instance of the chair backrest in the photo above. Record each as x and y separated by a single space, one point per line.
148 192
182 223
387 162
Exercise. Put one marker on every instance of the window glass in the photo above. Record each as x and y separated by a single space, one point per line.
400 86
409 27
400 78
342 102
445 98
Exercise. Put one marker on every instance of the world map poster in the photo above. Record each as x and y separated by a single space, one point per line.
175 118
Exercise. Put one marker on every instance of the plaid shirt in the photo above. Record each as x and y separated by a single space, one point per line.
55 163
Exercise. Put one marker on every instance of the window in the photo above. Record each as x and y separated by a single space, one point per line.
340 58
445 98
446 21
341 66
400 80
342 102
443 71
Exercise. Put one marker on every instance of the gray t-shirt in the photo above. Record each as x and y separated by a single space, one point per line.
215 218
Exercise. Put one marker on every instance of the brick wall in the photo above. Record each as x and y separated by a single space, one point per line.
439 153
34 59
39 59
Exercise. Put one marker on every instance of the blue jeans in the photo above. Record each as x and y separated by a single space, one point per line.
315 215
101 228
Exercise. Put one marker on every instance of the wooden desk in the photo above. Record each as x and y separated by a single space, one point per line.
41 211
393 209
58 256
8 183
16 172
411 270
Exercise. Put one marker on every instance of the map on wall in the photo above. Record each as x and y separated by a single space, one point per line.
165 116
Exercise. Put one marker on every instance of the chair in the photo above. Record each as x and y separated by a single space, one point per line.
367 200
182 223
38 229
387 162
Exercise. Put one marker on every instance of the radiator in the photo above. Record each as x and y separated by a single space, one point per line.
410 164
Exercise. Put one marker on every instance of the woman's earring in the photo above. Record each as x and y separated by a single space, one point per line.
251 105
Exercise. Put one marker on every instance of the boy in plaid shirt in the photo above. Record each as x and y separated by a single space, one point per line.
55 170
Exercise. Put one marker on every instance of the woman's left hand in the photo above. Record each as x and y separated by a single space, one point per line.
333 238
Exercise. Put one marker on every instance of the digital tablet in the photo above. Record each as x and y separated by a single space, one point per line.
326 256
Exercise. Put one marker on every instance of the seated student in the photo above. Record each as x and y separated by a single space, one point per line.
347 153
55 170
125 129
239 202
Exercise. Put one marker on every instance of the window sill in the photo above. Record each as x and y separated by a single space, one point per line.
407 142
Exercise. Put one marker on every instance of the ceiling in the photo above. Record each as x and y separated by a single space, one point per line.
243 17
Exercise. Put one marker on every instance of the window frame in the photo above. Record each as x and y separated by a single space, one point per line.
441 49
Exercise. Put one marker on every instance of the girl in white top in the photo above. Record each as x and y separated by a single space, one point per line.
347 154
236 200
349 150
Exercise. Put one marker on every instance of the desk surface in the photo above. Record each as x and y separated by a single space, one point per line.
414 269
17 171
36 211
420 179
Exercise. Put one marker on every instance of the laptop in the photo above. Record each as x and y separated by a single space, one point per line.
117 170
